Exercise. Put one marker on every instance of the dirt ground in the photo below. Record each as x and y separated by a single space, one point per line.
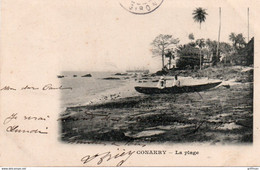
222 115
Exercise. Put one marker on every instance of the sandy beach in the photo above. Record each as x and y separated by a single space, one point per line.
221 115
126 89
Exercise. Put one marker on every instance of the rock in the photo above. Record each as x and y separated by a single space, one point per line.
227 86
146 78
60 76
161 72
87 75
121 74
111 78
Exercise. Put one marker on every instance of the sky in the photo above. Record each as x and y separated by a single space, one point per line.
100 35
119 40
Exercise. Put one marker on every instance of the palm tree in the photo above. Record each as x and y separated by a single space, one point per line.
238 40
232 37
199 15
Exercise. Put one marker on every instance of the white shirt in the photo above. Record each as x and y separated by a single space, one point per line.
161 83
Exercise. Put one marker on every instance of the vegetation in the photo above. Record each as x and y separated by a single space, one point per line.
170 56
202 53
199 15
189 56
161 45
244 56
237 40
191 36
236 73
242 53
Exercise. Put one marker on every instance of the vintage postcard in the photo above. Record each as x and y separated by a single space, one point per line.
129 83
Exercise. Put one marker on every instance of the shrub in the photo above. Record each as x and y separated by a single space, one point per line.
188 62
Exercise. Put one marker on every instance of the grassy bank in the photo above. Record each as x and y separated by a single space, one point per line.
237 73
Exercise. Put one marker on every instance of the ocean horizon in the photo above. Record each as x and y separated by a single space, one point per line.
87 90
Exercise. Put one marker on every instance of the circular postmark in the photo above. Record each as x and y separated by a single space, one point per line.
140 7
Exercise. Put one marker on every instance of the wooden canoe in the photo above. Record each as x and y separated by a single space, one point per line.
174 89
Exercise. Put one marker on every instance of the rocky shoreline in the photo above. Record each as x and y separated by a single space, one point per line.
222 115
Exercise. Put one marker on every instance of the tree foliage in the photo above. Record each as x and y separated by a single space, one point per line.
243 53
201 43
212 48
188 56
161 44
238 40
199 15
191 36
225 48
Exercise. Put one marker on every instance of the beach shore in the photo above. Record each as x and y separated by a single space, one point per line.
222 115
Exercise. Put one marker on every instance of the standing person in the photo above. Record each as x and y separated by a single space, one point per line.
176 82
161 83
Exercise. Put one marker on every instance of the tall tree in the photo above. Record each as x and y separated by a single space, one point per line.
161 43
225 50
232 37
241 41
237 40
212 47
239 44
170 55
219 32
200 43
199 15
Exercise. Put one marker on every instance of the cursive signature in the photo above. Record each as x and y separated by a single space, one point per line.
9 118
45 87
107 156
50 87
15 129
29 88
7 88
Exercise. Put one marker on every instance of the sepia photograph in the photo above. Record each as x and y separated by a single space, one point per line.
184 78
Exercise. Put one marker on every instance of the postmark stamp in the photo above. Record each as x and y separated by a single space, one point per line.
140 7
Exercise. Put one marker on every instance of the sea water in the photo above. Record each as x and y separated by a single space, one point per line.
92 90
86 89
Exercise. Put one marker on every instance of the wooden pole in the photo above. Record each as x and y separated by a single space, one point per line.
200 59
162 59
219 32
247 25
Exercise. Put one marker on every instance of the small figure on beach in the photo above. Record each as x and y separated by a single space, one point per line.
176 82
161 83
